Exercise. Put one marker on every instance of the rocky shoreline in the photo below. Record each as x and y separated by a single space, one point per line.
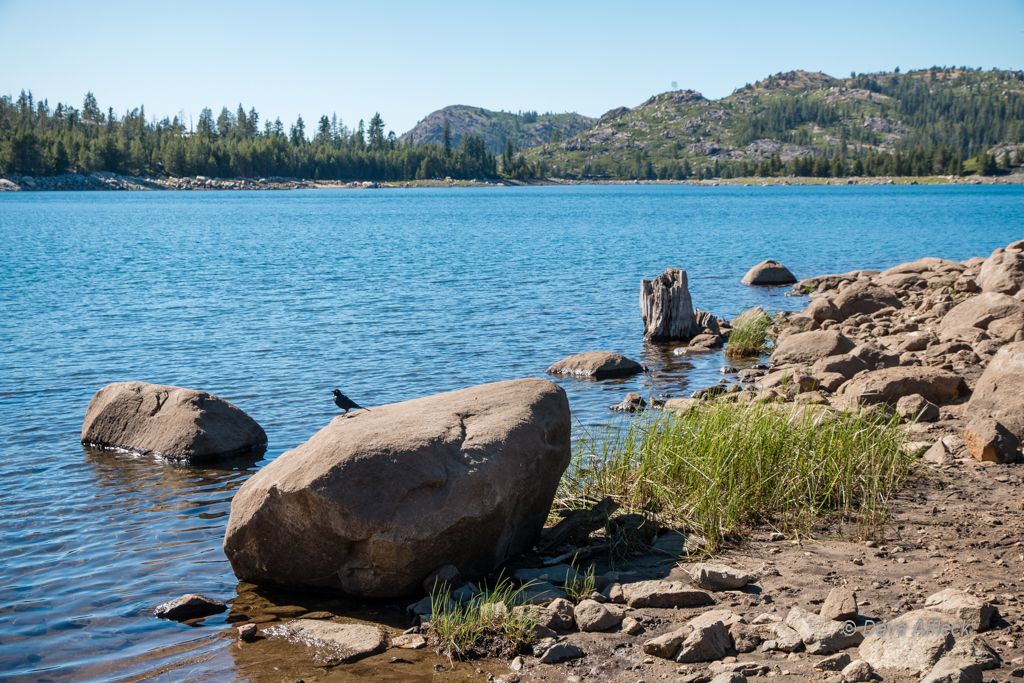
105 181
935 344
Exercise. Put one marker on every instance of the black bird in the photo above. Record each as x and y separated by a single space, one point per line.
345 403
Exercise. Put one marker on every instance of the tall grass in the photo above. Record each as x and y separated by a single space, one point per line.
750 338
724 466
486 626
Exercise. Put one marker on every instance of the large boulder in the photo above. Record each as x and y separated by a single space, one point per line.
379 499
924 265
596 364
1002 272
889 385
808 347
769 273
864 298
999 393
980 311
184 424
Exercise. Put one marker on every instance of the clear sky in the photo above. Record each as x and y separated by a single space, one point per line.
406 59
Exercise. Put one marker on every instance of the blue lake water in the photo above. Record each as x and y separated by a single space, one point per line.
272 299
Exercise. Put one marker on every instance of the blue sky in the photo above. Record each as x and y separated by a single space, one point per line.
406 59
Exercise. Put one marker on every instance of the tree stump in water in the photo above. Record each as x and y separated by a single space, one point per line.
667 309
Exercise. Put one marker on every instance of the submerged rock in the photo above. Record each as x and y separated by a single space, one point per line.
332 642
596 364
377 500
170 421
190 606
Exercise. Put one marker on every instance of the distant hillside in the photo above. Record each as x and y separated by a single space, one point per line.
919 123
526 129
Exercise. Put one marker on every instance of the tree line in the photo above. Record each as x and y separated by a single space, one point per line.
36 139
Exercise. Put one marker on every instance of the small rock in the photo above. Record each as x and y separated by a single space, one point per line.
247 632
976 612
705 644
562 652
840 605
665 594
916 407
667 645
717 577
989 441
593 616
950 670
631 404
517 664
836 662
631 626
858 671
729 677
745 638
821 635
412 641
444 577
614 593
189 606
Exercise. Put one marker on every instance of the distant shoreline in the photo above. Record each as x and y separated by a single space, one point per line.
71 182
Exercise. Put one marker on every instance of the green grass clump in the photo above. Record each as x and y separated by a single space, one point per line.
581 586
750 338
725 466
486 626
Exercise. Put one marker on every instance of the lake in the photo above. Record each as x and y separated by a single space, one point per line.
272 299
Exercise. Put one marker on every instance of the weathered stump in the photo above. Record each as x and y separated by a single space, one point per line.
667 309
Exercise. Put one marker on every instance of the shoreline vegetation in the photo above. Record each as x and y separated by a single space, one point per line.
101 181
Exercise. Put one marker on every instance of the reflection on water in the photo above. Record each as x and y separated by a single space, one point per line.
270 300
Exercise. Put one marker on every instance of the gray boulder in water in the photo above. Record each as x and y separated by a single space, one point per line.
377 500
183 424
769 273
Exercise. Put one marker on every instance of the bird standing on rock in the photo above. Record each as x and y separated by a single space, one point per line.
345 403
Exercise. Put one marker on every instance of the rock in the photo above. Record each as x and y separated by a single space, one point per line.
729 677
808 347
885 648
593 616
631 626
891 384
727 617
555 616
247 632
999 392
189 606
769 273
783 638
539 594
745 638
705 644
858 671
1002 272
559 574
561 652
681 406
409 641
916 407
821 309
836 662
464 478
981 311
666 645
708 341
864 298
332 641
974 650
950 670
635 527
945 450
445 577
989 441
843 364
718 577
614 593
977 613
748 316
596 364
177 423
840 605
821 635
8 186
633 403
875 357
666 308
664 594
923 265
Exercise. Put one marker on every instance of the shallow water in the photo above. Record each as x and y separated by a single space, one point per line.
272 299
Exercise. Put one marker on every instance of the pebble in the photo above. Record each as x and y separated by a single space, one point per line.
247 632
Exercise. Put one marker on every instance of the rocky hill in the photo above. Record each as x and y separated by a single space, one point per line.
800 114
525 129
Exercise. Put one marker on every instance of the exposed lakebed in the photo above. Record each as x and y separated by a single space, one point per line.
271 300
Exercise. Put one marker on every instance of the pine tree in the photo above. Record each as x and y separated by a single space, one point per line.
446 138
